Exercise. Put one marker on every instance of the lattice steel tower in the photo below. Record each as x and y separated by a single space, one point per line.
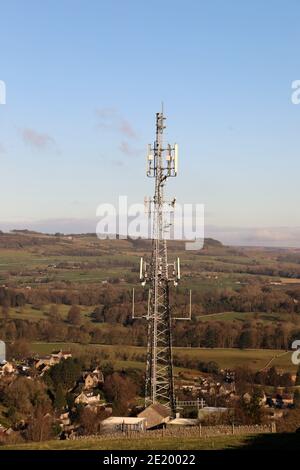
158 274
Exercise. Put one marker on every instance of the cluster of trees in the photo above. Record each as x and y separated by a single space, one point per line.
188 362
290 422
230 334
33 406
118 389
225 265
211 334
241 412
274 378
250 298
242 375
28 401
246 379
60 294
249 411
114 309
60 331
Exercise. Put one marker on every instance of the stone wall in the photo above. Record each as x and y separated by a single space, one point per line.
186 432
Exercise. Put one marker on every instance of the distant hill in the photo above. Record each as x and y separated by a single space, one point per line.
211 242
29 238
25 231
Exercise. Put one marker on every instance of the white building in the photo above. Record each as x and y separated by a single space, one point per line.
123 424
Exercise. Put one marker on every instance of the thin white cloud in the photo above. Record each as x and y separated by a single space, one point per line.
256 236
127 129
2 149
128 150
37 139
111 119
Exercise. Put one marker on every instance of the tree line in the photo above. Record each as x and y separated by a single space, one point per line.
114 310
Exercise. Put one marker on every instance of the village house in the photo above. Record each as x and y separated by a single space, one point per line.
226 389
44 361
59 355
156 415
288 399
5 433
50 360
7 369
191 388
247 397
64 420
284 400
210 410
88 398
92 379
23 370
43 369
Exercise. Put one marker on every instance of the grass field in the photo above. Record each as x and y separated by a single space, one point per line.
226 358
30 312
31 259
249 442
243 316
41 261
35 313
254 358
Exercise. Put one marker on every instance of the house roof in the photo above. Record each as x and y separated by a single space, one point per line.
156 414
163 410
122 420
55 353
214 409
183 422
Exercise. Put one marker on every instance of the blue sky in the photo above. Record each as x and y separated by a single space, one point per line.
85 78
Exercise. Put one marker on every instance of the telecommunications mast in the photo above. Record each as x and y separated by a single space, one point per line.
158 274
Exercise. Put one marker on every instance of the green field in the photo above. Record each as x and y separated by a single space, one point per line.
243 316
254 358
34 313
37 261
28 259
248 442
226 358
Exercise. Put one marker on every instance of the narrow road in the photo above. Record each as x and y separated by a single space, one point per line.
273 358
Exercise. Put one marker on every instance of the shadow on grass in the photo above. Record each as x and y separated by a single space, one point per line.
271 442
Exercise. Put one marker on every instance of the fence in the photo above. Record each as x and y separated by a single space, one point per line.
186 432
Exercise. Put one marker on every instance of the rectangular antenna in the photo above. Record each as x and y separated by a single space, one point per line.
176 159
141 269
133 303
